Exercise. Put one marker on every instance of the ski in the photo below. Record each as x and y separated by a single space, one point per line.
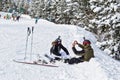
35 63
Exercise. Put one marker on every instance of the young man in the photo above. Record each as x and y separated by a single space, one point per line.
85 54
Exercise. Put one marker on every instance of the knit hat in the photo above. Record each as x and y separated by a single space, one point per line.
57 41
85 42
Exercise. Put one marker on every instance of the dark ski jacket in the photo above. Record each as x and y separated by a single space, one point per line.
55 49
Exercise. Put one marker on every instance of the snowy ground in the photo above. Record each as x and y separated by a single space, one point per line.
12 45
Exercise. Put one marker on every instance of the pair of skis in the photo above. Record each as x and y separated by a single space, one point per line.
35 63
40 62
29 36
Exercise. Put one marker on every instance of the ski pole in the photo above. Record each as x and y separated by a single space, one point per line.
31 44
28 33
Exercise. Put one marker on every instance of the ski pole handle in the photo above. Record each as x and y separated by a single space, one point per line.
32 29
28 31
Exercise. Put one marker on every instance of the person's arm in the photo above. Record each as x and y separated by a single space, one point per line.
62 47
78 52
51 50
80 45
75 51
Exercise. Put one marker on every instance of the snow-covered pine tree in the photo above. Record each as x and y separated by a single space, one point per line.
60 11
81 11
0 5
106 22
17 5
61 14
22 6
50 10
37 8
6 5
73 11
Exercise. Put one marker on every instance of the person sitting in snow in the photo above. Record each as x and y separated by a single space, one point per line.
85 54
56 50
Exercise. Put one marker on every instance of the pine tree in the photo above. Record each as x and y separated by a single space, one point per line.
0 5
60 11
37 8
106 22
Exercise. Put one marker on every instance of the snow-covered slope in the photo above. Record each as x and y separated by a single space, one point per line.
13 42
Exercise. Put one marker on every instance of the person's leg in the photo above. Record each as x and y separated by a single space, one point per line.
65 57
75 60
57 56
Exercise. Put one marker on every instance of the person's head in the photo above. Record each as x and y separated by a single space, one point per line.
86 42
57 41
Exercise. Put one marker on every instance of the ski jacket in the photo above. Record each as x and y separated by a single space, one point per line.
55 49
87 53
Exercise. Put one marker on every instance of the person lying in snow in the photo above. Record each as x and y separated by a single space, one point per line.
85 54
56 48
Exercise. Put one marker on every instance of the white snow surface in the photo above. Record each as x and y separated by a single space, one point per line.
13 42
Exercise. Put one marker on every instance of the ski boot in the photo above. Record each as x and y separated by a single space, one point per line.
52 61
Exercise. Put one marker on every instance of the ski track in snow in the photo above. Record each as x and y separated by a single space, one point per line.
13 41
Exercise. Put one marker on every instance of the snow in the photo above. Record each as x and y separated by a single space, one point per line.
107 51
96 0
25 16
13 41
97 9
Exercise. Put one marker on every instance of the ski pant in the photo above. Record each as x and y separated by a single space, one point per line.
75 60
